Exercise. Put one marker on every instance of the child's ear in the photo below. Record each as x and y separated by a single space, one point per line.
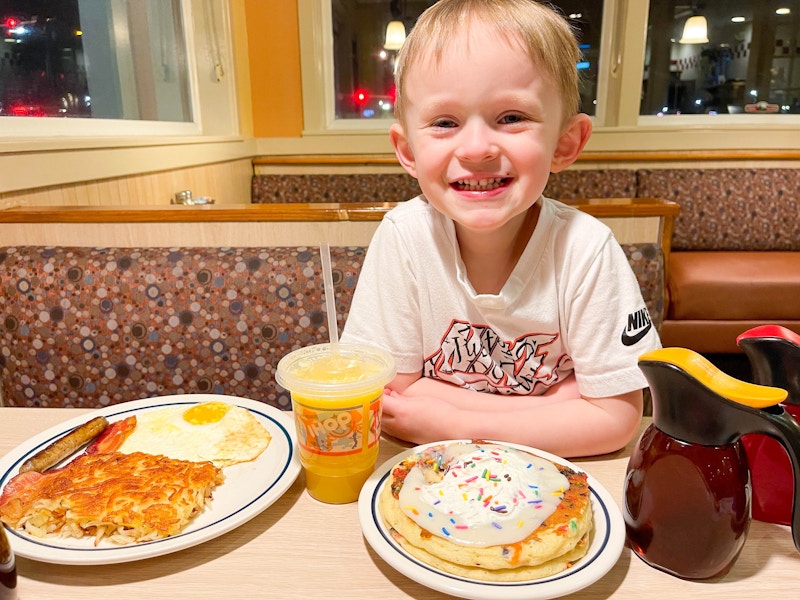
571 142
402 149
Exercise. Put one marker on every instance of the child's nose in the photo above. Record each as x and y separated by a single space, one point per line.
477 143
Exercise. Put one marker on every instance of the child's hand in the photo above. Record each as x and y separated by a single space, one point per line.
416 419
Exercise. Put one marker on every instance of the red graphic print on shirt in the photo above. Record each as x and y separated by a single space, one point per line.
474 356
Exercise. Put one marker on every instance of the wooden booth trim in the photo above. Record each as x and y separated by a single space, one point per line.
585 157
316 211
302 212
309 212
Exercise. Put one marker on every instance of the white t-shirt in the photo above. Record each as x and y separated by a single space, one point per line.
571 303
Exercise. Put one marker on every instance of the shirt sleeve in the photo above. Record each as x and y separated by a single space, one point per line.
385 308
607 325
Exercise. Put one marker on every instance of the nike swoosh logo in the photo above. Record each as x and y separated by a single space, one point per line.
630 340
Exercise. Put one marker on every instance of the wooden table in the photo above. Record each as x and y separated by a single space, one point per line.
299 548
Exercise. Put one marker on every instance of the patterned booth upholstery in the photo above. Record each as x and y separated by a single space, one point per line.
361 187
396 187
89 327
729 209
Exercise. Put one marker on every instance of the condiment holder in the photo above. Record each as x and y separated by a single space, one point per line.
687 495
8 568
774 355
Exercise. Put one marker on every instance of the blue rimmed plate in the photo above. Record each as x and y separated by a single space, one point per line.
249 488
608 540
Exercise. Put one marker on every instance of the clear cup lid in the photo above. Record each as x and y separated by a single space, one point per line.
335 369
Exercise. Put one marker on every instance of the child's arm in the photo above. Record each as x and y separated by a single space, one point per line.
561 422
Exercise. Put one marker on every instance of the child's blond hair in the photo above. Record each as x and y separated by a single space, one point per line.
542 32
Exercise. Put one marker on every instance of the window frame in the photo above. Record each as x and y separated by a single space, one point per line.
316 59
78 149
618 127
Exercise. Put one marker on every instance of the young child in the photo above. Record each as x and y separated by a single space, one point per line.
507 312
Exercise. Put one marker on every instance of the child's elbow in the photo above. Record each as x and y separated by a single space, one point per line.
630 418
625 416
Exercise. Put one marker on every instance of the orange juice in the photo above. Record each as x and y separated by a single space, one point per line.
336 397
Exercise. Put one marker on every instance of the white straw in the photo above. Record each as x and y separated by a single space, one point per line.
330 296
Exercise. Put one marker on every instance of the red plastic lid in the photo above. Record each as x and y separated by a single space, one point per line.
770 331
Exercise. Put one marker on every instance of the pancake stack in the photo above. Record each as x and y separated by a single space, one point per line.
488 512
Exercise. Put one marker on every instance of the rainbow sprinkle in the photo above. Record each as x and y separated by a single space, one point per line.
573 524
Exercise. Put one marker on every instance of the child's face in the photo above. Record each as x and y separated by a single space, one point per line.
482 130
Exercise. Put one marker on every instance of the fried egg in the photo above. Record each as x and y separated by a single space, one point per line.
211 431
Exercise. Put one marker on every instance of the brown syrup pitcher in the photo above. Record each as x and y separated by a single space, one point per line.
687 495
774 355
8 568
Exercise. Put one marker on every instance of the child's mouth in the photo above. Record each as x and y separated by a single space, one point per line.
480 185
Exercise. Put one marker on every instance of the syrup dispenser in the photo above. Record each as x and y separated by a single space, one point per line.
8 568
774 355
687 489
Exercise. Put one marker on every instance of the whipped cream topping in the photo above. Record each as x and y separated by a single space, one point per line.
487 494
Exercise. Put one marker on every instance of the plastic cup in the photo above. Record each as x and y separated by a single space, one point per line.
336 394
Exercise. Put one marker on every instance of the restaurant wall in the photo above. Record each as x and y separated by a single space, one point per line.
273 47
225 182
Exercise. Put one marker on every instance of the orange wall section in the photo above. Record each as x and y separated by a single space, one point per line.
273 41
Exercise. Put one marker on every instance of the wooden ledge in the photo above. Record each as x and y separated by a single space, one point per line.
626 207
587 157
328 159
301 212
351 211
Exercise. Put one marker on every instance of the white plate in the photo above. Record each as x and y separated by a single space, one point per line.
606 547
249 488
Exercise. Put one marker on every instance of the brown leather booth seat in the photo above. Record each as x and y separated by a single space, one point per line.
715 296
735 256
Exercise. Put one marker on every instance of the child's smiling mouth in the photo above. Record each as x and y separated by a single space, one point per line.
480 185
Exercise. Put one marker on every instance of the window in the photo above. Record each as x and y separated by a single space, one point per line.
364 51
744 59
94 59
634 72
170 101
101 68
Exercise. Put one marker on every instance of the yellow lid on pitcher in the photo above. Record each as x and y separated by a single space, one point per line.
708 374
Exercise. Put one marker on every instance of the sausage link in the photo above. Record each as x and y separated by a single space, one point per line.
64 446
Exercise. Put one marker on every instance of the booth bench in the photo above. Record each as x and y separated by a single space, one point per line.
88 326
735 252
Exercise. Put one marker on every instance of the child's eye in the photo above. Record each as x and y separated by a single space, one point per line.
444 123
511 119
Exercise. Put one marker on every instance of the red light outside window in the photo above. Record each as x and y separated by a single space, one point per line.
360 97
